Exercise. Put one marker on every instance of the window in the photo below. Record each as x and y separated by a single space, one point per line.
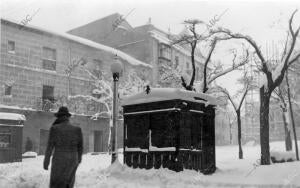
48 93
7 90
48 97
165 51
11 47
5 140
49 58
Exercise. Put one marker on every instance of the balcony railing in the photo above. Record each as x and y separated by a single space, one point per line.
47 105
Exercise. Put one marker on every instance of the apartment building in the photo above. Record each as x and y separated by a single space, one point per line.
40 68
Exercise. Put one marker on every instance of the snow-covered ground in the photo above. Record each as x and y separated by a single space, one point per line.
95 171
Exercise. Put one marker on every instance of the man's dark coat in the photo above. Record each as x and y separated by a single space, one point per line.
66 143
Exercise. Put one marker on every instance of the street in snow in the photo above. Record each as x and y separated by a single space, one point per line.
149 93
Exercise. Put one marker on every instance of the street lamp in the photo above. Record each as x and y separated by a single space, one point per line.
116 69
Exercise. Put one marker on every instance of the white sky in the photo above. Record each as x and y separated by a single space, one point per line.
265 21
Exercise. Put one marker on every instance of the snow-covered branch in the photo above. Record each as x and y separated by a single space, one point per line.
230 35
228 96
229 69
280 70
212 48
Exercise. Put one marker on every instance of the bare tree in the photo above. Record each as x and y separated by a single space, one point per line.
247 82
132 82
272 78
218 70
281 97
192 38
292 114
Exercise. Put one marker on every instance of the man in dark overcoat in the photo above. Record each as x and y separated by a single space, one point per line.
66 144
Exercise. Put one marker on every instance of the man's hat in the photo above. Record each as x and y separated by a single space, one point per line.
62 111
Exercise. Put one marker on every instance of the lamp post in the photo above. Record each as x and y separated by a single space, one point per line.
116 69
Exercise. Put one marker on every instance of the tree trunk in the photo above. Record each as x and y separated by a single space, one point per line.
292 114
238 113
264 126
193 65
287 131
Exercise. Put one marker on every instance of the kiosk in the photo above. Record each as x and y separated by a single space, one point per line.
11 132
170 128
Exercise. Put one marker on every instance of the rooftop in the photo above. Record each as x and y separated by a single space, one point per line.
162 94
131 60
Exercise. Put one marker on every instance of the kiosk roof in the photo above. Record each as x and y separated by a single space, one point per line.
162 94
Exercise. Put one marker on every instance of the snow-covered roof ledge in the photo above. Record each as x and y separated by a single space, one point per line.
162 94
12 116
131 60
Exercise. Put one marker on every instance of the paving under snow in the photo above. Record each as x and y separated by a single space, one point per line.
96 171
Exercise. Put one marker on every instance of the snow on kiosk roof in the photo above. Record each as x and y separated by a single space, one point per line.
12 116
162 94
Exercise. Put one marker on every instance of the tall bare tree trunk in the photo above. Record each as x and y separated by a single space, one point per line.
238 113
264 126
292 114
287 131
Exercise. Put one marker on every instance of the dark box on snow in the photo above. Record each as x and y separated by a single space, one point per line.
11 132
170 128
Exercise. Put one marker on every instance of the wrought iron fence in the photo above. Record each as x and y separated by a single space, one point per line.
78 105
47 105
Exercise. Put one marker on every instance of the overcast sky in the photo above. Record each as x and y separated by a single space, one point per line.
265 21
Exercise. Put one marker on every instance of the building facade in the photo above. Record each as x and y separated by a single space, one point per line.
41 70
146 43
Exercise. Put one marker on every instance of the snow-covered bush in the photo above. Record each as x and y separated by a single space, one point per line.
282 156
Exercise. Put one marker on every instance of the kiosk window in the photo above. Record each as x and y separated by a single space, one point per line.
5 140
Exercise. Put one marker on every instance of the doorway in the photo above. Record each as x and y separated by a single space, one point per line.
98 141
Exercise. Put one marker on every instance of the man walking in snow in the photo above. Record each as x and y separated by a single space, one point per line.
67 143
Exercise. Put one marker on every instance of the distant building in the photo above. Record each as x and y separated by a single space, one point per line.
146 43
